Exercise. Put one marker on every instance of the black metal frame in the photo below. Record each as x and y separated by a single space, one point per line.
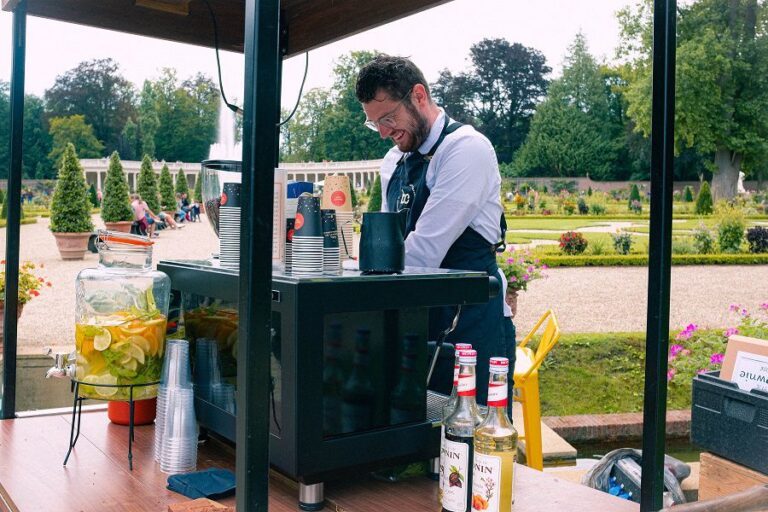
659 257
262 65
77 412
13 226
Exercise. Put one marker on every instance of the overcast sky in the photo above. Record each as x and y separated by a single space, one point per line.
435 39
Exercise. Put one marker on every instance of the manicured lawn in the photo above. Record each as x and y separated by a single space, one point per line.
599 373
553 224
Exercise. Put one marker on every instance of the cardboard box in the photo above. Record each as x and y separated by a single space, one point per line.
746 363
199 505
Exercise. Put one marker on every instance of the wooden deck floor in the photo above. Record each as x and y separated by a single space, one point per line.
97 478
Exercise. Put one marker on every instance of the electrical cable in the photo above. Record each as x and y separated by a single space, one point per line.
235 108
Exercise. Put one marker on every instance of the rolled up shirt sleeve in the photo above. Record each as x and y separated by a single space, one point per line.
463 175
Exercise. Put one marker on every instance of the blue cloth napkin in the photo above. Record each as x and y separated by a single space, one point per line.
210 483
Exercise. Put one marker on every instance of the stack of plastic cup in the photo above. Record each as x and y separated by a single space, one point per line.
223 396
176 375
207 367
178 453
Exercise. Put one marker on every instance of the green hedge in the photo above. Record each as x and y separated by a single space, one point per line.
28 220
632 260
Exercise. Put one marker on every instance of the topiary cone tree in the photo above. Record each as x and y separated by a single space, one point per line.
182 186
374 205
634 195
116 211
704 204
70 208
198 195
167 197
146 185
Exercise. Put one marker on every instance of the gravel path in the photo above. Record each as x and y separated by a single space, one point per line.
585 299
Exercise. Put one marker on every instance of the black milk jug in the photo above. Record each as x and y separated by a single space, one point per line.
382 247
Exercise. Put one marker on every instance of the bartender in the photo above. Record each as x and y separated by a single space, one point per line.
445 176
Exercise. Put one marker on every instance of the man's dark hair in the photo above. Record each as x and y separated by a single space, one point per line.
394 75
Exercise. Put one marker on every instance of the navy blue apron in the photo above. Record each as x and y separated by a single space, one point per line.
482 325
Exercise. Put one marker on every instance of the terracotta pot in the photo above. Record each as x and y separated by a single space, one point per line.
2 313
511 299
143 411
72 246
123 226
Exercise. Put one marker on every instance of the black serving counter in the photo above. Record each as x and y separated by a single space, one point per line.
349 361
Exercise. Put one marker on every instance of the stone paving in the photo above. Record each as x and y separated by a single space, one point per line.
608 299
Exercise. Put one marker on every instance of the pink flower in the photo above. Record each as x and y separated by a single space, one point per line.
526 277
670 374
530 269
512 279
730 332
544 267
734 307
691 327
675 349
764 305
683 335
716 358
511 261
744 312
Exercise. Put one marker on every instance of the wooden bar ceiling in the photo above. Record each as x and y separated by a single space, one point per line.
309 23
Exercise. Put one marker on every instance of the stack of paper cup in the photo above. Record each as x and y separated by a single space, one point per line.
229 226
293 191
337 196
331 259
290 229
307 249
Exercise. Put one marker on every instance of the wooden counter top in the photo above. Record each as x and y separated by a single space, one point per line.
97 478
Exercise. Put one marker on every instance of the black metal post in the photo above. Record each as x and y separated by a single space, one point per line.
660 250
259 161
10 320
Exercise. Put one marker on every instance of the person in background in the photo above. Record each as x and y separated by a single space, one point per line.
144 216
444 176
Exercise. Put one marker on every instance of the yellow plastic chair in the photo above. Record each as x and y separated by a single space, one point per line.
527 385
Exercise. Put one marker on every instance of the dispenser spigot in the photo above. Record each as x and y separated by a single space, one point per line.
63 366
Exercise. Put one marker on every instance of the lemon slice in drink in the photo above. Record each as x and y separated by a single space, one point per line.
141 342
135 352
104 378
102 340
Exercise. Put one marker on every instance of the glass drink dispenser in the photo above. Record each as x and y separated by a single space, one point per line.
121 315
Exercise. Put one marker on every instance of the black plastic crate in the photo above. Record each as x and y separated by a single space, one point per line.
730 422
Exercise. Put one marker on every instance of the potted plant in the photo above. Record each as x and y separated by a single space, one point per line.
30 284
116 211
520 268
70 208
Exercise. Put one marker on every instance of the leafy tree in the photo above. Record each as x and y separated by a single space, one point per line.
374 204
499 94
70 209
198 195
182 185
704 203
73 130
36 139
167 197
96 90
2 196
129 140
571 133
146 184
301 135
116 205
93 197
187 115
720 106
148 120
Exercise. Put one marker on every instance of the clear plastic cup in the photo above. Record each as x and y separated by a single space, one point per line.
207 367
178 452
176 369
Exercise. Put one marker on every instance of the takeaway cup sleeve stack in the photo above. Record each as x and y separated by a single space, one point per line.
337 196
331 259
229 225
293 191
307 251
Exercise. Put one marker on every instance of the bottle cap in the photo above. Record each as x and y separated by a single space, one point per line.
468 356
499 365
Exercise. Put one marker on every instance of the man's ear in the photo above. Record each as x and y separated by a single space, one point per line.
419 95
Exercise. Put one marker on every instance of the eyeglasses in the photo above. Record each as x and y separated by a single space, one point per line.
388 120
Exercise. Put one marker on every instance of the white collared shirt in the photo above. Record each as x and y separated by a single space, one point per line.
464 191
